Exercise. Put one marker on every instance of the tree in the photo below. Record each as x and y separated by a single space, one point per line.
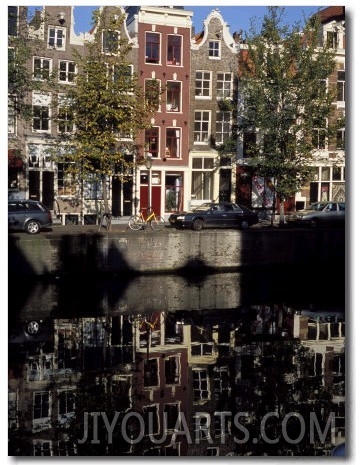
103 112
284 98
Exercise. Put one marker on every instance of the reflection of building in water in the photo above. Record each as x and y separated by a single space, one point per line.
167 367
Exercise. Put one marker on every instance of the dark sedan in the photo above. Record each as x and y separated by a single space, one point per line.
217 215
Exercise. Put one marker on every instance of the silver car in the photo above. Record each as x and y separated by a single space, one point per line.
28 215
319 213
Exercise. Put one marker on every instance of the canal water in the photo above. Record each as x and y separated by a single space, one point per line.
227 364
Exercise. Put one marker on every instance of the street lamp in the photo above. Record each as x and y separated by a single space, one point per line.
148 164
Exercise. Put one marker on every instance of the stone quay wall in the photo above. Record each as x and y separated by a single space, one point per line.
171 251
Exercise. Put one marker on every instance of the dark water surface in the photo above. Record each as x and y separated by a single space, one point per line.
246 364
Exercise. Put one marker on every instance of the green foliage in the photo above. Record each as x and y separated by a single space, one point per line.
107 106
282 98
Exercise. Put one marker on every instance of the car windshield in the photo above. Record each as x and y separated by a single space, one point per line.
317 207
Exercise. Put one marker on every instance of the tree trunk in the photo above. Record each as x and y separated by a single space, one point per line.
106 219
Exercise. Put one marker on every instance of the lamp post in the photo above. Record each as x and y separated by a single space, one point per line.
148 164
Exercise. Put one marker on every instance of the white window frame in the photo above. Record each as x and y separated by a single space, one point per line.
214 53
54 39
41 100
200 78
221 91
224 134
68 74
40 76
204 136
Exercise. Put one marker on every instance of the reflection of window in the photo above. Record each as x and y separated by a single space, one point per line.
172 143
41 406
173 96
174 47
200 349
340 144
43 448
41 68
202 120
151 372
12 20
66 401
66 71
151 419
152 47
56 38
200 385
172 370
214 49
11 116
203 84
171 411
224 85
223 126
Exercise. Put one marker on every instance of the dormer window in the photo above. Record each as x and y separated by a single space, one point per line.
214 49
56 38
110 42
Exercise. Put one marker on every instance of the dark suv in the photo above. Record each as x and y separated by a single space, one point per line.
28 215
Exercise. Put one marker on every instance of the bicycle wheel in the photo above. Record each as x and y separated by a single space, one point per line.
136 222
157 223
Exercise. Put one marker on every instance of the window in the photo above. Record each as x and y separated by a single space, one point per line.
152 92
224 85
67 71
332 40
223 126
172 142
152 141
66 180
200 385
152 47
174 49
202 349
201 126
12 21
173 96
41 68
202 178
172 375
319 134
340 86
203 84
340 139
11 116
110 41
214 49
65 121
41 112
93 188
56 37
122 71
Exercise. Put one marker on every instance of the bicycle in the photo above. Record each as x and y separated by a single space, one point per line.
137 222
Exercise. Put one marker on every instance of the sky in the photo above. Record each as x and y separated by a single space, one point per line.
237 16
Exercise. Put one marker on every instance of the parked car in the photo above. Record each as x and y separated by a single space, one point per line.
319 213
217 215
28 215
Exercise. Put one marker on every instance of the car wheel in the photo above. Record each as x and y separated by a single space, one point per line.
245 224
32 227
32 327
197 225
